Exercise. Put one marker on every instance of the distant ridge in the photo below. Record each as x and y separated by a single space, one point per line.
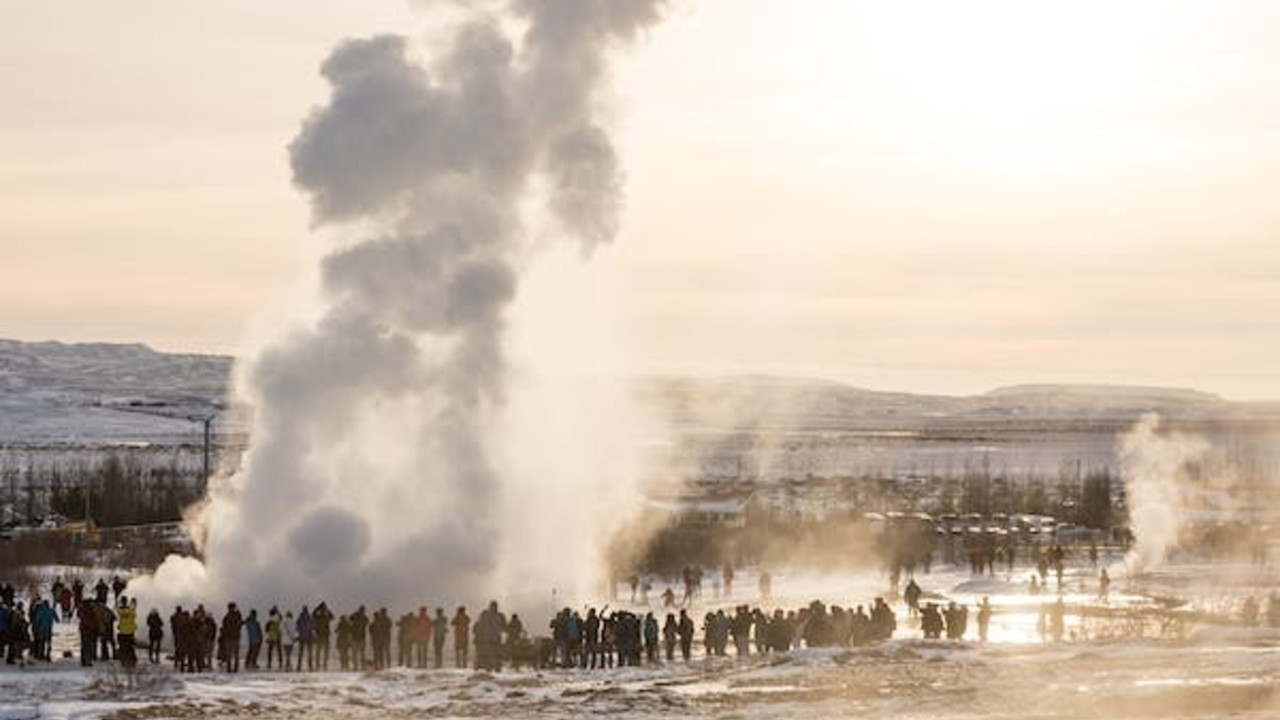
50 391
1107 391
750 401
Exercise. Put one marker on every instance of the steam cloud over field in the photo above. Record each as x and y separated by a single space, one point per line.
1154 466
373 466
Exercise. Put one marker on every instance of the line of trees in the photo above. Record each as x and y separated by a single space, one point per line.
117 489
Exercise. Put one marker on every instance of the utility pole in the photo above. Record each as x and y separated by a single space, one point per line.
207 420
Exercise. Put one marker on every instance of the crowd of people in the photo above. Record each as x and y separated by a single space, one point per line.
200 640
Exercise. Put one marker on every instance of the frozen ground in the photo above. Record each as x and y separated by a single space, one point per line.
1198 666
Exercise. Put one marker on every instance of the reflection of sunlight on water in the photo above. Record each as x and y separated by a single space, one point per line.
1016 628
1016 618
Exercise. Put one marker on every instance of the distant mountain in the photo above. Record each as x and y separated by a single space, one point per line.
1106 393
103 367
1109 399
799 403
97 392
106 393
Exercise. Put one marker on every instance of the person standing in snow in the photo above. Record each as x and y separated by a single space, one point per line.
357 623
405 640
421 633
306 639
686 634
155 635
106 630
439 629
275 637
461 635
342 640
127 615
180 628
253 634
650 638
19 635
670 633
488 631
984 619
912 595
232 623
288 638
322 619
89 630
380 636
42 619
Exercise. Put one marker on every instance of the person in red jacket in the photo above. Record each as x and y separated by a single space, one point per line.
90 629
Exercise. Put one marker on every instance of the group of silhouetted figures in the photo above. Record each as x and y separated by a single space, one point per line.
604 639
595 639
109 629
951 619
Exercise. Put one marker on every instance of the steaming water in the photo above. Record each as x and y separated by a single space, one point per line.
376 462
1154 468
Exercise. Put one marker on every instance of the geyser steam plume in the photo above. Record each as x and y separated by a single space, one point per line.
1154 467
371 476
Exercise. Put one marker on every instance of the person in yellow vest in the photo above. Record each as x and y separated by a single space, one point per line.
126 628
275 630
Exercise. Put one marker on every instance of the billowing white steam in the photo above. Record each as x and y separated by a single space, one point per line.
371 475
1154 467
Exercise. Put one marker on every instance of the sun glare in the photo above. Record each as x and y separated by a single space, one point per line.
1010 86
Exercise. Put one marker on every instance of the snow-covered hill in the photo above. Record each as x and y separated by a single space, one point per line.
52 392
84 394
764 402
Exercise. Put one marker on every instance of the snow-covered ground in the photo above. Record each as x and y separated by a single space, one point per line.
1109 666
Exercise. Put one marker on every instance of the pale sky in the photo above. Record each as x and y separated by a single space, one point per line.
921 196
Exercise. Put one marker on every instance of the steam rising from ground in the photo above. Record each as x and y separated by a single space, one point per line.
374 473
1154 466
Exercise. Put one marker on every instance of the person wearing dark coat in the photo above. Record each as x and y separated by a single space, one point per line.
155 635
